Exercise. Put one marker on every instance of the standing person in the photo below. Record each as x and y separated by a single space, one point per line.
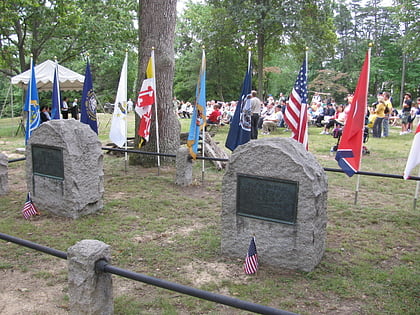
388 112
74 110
255 114
65 108
380 114
405 116
130 105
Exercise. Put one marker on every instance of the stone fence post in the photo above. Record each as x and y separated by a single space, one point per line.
183 167
4 183
90 291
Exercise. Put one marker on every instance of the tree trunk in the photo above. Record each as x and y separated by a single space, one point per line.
157 20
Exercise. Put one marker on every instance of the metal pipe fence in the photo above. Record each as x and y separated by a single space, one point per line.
327 169
104 266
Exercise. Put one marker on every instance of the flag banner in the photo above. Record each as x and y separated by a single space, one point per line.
145 101
251 260
240 125
56 96
198 119
349 150
414 156
89 104
32 105
29 208
296 114
118 132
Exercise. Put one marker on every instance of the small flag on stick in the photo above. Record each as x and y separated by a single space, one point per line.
29 208
251 260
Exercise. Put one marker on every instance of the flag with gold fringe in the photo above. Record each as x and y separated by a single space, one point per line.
198 119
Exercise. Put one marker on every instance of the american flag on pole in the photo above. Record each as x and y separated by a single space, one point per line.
296 115
29 208
251 260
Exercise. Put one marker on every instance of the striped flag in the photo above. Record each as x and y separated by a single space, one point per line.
296 114
349 150
414 156
251 260
29 208
145 101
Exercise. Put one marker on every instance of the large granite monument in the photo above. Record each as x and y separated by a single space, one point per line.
64 168
276 191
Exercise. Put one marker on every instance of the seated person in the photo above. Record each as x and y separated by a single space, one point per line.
338 119
214 117
267 111
327 113
44 115
272 121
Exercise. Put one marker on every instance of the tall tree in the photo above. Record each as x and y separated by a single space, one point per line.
157 20
62 28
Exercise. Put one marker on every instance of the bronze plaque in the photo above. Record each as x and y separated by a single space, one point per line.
267 198
47 161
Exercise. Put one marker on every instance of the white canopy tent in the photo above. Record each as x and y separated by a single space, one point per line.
44 73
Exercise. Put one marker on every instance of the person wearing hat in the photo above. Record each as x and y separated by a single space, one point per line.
405 115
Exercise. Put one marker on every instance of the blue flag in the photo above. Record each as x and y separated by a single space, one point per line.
56 97
88 106
198 120
32 105
240 125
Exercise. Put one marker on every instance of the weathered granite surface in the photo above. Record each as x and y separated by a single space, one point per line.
81 189
295 246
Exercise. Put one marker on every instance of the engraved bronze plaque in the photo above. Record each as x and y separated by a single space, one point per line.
266 198
47 161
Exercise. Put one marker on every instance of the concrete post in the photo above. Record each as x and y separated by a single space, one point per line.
183 167
4 183
90 292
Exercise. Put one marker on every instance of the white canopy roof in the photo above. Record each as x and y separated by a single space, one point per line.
44 73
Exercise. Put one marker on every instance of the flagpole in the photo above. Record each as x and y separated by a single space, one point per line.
417 193
126 122
356 193
156 113
204 136
29 91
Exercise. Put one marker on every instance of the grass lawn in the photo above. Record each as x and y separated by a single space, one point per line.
371 264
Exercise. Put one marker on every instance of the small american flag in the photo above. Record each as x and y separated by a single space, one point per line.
251 260
296 115
29 208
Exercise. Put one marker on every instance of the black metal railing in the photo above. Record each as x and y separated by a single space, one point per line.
327 169
104 266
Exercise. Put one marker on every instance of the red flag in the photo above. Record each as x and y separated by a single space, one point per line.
143 108
251 260
145 100
296 114
349 150
29 208
414 156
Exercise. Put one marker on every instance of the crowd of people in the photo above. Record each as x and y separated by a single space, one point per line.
45 111
325 113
